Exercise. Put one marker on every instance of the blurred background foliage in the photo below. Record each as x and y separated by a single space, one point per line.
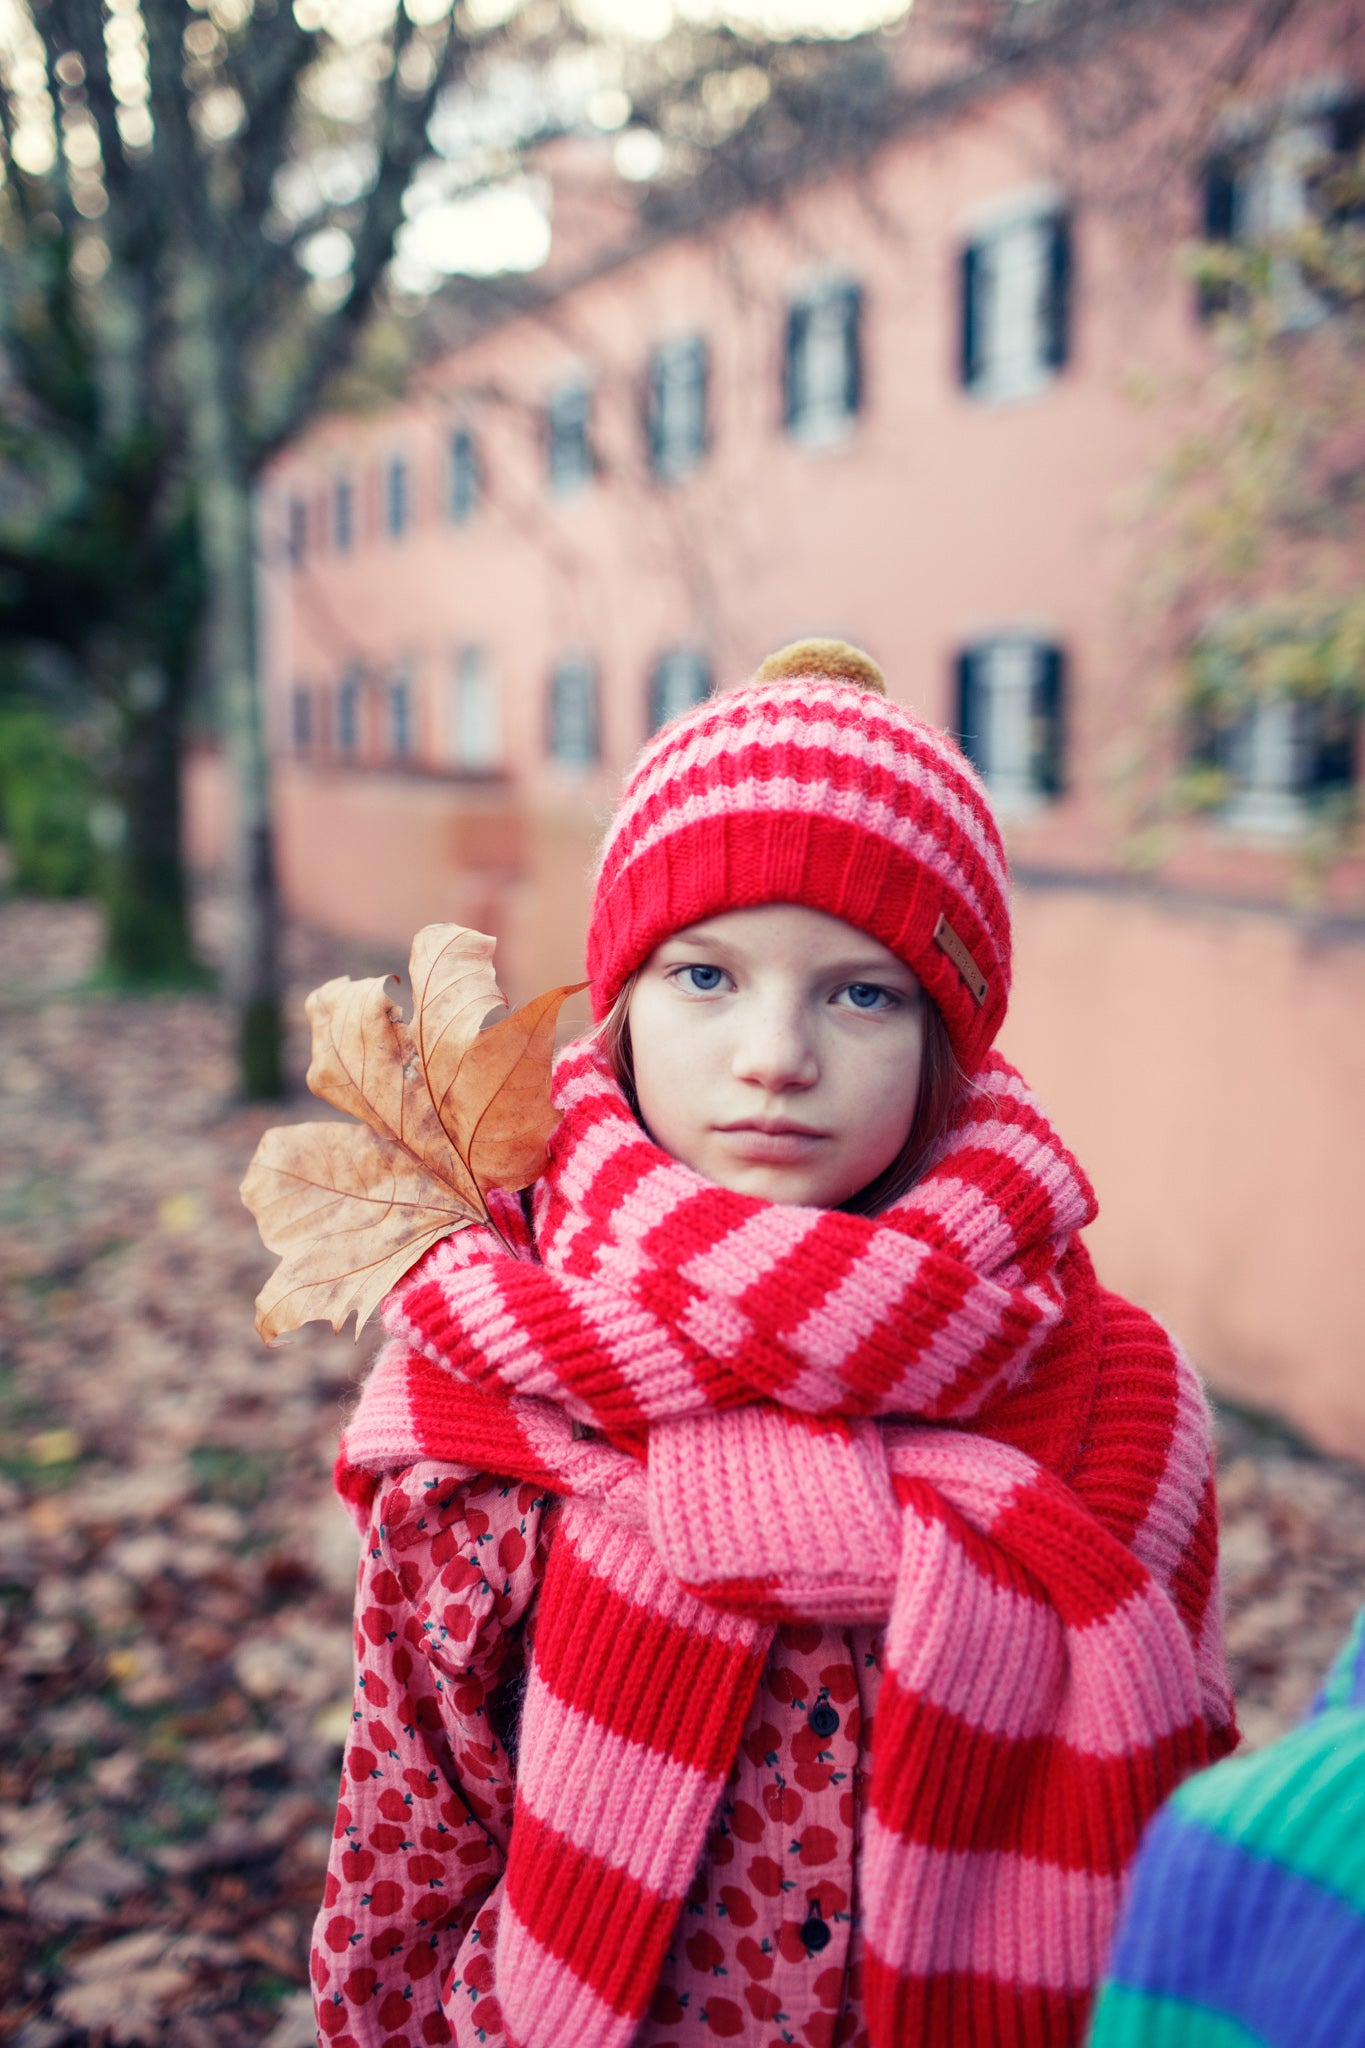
44 804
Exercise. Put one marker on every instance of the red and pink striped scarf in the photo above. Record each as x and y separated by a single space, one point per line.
792 1411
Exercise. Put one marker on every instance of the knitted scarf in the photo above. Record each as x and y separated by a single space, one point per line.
775 1401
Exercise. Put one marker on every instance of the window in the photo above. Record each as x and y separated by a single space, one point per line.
681 679
343 515
573 714
1009 718
822 373
475 735
1269 189
568 446
397 509
348 714
303 720
1278 759
400 694
1016 305
462 477
676 407
296 532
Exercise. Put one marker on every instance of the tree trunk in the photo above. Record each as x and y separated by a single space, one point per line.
224 503
141 868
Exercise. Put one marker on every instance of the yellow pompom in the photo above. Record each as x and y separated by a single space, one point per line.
833 659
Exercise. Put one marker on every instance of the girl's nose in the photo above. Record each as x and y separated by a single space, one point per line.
775 1048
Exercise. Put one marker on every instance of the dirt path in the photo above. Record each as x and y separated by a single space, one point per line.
174 1664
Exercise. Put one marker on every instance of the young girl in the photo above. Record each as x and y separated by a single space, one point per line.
790 1580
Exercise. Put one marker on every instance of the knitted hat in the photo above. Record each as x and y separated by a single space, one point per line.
808 786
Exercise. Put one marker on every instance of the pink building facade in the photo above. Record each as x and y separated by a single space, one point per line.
913 403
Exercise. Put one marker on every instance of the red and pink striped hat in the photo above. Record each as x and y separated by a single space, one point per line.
809 786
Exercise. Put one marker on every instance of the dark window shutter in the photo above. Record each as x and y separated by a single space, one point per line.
1220 200
348 732
396 498
658 685
794 364
702 364
1057 312
1346 137
967 713
593 713
343 515
1331 765
853 349
1347 128
655 378
1220 225
464 476
970 363
1049 722
555 713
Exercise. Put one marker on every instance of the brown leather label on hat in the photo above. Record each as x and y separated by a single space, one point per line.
960 953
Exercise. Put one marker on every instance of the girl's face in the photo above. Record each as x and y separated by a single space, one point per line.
778 1051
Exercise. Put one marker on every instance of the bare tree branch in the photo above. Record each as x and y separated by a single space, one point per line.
401 143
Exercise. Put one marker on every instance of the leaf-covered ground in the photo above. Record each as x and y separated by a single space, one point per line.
174 1664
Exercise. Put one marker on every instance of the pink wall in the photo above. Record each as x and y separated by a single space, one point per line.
1204 1062
394 852
1208 1067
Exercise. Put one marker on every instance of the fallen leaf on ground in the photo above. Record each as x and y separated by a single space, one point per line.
231 1756
295 2027
446 1110
31 1839
126 2011
122 1989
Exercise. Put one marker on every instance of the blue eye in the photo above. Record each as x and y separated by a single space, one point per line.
865 995
703 981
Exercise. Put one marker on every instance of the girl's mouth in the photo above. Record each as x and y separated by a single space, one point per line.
773 1142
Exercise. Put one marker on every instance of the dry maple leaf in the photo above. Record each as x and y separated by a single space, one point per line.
446 1109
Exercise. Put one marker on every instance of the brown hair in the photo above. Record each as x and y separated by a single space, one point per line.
941 1086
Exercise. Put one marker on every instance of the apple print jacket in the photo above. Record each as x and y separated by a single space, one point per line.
767 1949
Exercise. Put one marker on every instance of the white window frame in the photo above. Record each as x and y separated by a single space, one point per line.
1007 681
1008 672
678 377
475 727
581 760
1011 241
1267 753
567 483
1272 204
824 415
